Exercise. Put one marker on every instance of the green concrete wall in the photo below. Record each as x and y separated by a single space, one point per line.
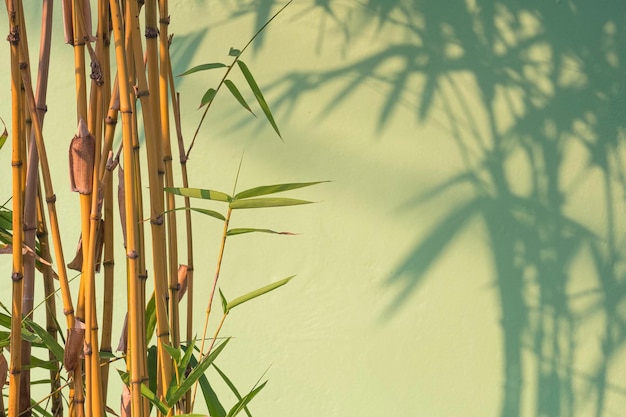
467 258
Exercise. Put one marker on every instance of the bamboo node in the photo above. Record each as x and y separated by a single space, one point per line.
23 65
27 228
68 312
110 120
51 199
14 35
158 220
42 108
108 262
166 334
15 371
165 21
143 276
16 163
151 32
96 73
17 276
79 401
167 158
132 254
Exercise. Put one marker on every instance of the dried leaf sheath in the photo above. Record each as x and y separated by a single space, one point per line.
82 155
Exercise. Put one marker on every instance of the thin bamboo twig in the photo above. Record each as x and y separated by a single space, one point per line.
220 256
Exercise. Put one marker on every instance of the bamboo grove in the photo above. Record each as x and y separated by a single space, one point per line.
124 87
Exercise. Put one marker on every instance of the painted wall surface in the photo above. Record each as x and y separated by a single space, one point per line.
467 258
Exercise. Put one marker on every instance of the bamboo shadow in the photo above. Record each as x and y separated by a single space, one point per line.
546 81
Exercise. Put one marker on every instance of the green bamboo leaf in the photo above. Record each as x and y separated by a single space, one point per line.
234 52
211 213
243 230
241 404
216 409
172 397
259 96
266 202
203 67
232 387
186 357
257 293
151 396
4 135
272 189
150 318
235 92
200 193
224 302
173 352
49 342
207 97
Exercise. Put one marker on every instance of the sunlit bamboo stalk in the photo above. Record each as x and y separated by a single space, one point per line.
155 173
14 11
134 310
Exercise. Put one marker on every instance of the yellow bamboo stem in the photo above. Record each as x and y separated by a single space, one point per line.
137 408
17 137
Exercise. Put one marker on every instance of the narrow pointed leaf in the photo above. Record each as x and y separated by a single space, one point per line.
241 404
211 213
207 97
196 373
224 302
259 96
150 318
266 202
213 404
50 343
243 230
235 92
151 396
200 193
4 135
232 387
272 189
203 67
257 293
173 352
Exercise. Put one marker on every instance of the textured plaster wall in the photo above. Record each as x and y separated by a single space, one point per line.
467 258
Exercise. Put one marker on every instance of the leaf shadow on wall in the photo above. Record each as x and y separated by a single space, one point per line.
548 78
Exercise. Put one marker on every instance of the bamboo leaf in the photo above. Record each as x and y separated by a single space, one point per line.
203 67
186 358
50 343
224 302
175 395
216 409
235 92
272 189
200 193
243 230
232 387
150 318
151 396
259 96
172 351
4 135
234 52
207 97
211 213
241 404
266 202
257 293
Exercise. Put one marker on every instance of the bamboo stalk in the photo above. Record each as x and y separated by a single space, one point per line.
155 173
134 310
172 237
17 136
